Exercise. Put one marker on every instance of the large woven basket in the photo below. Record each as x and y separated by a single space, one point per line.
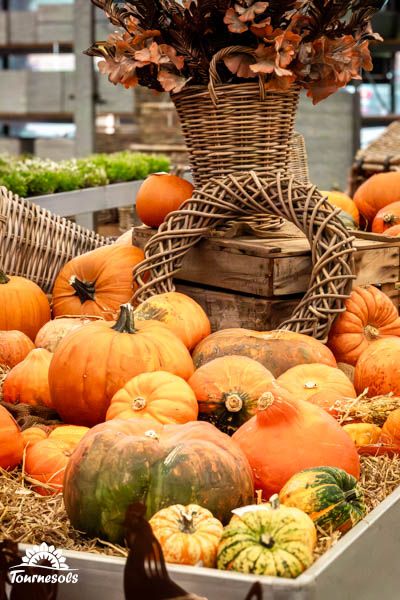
383 154
34 243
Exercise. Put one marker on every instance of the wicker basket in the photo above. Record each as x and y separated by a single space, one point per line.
34 243
380 156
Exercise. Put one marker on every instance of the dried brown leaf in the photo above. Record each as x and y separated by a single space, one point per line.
239 64
235 25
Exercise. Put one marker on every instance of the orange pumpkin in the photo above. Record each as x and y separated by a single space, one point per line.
377 192
303 381
343 201
27 382
363 434
391 429
393 231
45 462
34 434
96 283
387 217
91 364
227 390
369 315
331 401
159 396
11 441
14 347
71 434
160 194
378 368
24 307
51 334
287 436
125 239
180 313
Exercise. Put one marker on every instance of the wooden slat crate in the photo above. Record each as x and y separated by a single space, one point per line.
256 283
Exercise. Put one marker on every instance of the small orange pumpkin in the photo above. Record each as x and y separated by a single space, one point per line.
34 434
391 429
378 368
303 381
11 441
159 396
27 382
386 218
377 192
45 462
14 347
343 201
363 434
160 194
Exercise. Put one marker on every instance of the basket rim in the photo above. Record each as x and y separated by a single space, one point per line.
230 88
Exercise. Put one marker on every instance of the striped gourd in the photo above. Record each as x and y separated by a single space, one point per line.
330 496
277 541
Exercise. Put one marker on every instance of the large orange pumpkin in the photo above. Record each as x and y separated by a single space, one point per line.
45 462
387 217
160 194
11 441
51 334
278 351
227 390
180 313
91 364
14 347
378 368
28 382
287 436
24 307
343 201
303 381
96 283
369 315
160 396
377 192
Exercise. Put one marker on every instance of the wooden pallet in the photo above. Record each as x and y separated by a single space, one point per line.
256 283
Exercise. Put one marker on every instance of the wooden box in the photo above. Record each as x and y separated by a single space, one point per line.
256 283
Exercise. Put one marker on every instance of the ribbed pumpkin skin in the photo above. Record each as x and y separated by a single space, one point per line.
45 462
122 461
378 368
227 390
377 192
28 381
178 312
24 306
14 347
71 434
109 270
277 351
330 496
51 334
369 315
304 381
244 546
34 434
11 441
187 534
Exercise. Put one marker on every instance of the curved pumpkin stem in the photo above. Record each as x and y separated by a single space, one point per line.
3 277
85 290
233 402
126 319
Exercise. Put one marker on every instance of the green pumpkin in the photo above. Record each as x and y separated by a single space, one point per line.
274 541
124 461
330 496
347 220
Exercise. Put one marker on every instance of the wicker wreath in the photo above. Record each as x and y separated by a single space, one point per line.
224 199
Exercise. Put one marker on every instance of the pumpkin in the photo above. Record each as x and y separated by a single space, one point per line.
303 381
377 192
72 434
387 217
160 194
28 381
393 231
51 334
330 496
91 364
187 534
343 201
45 463
378 368
34 434
227 390
363 434
331 401
14 347
11 441
125 239
277 541
24 307
391 429
287 436
96 283
124 461
347 220
178 312
369 315
161 396
277 351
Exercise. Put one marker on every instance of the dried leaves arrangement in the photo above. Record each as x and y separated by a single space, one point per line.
320 45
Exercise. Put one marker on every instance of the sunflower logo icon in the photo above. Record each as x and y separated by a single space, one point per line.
48 555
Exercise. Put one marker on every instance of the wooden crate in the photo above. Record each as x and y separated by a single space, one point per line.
254 283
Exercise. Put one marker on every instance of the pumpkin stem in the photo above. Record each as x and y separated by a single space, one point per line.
3 277
151 434
267 540
310 385
126 319
85 290
138 403
265 401
187 525
351 495
233 402
371 332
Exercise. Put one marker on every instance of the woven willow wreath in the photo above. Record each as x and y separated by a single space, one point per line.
248 193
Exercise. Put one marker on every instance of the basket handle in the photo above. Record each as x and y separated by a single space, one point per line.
214 75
